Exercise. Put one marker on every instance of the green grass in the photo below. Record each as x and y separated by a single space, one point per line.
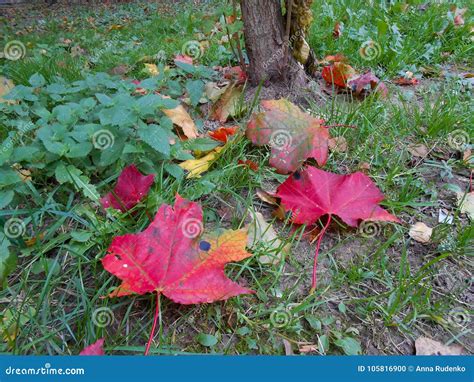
381 290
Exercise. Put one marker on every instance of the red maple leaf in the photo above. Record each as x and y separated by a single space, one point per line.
367 82
338 73
312 193
97 348
293 135
131 187
223 132
171 257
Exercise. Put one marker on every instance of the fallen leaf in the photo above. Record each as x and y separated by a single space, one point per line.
338 144
5 86
420 232
466 204
180 117
228 104
198 166
120 70
171 257
310 348
248 163
261 231
334 58
130 189
418 150
288 347
427 346
338 73
213 91
97 348
293 135
312 193
367 83
152 69
459 16
403 81
223 132
266 196
235 74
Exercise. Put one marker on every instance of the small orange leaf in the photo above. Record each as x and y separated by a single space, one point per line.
223 132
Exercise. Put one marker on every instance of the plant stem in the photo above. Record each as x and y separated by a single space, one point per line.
155 320
315 265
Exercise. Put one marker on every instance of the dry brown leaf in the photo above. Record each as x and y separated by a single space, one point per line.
227 105
309 348
338 144
213 91
266 196
420 232
180 117
427 346
288 347
418 150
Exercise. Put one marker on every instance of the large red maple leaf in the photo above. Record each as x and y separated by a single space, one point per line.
312 193
293 135
172 257
131 187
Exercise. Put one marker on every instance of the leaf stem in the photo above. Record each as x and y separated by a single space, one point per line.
155 320
315 264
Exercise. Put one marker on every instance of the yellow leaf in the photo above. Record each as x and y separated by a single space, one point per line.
179 116
12 321
197 166
152 69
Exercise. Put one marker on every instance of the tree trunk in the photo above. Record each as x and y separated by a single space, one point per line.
264 39
277 52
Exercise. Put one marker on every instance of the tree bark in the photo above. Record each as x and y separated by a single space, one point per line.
264 39
274 56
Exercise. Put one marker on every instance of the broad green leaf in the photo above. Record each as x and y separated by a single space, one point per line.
37 80
156 137
207 340
195 90
349 345
6 197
